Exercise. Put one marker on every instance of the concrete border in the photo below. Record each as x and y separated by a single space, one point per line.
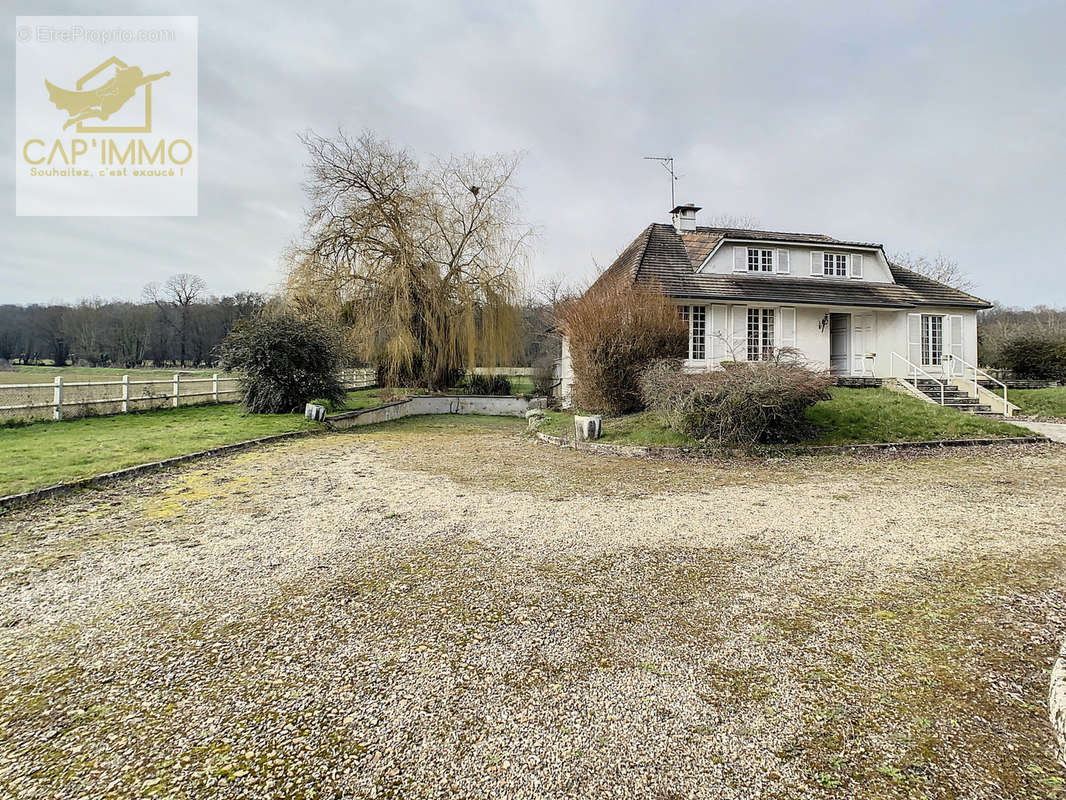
12 500
1057 703
638 451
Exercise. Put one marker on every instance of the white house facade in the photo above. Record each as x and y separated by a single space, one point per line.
747 294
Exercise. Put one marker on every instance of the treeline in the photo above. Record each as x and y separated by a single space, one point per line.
176 323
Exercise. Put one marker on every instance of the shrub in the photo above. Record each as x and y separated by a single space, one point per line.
284 361
614 331
1038 355
761 401
488 384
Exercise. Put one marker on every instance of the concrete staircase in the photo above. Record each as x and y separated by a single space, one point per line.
956 398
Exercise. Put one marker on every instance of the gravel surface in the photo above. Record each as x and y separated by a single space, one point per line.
443 608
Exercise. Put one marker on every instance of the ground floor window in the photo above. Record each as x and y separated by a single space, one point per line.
932 340
697 333
696 318
760 334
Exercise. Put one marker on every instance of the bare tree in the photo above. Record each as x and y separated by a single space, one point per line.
421 263
178 293
940 268
732 221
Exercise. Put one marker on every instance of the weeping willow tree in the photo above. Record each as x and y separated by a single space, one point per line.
421 265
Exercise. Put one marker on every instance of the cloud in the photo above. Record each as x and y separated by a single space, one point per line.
931 128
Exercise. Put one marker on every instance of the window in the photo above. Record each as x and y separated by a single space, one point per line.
760 334
760 260
697 340
932 340
696 317
835 264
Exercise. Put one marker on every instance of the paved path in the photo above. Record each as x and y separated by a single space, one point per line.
1055 431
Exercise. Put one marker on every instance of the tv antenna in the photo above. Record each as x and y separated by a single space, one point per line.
668 165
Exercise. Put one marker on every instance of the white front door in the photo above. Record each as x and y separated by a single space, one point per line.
862 344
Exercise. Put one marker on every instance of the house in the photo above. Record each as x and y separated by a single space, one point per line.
843 305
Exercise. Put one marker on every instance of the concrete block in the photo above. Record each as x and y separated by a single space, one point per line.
315 412
587 428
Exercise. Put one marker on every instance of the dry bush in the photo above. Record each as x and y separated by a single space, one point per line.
744 403
614 332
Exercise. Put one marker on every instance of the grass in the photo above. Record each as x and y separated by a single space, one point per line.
1040 402
647 429
44 454
856 416
851 416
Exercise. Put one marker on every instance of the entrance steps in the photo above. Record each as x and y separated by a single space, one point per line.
954 397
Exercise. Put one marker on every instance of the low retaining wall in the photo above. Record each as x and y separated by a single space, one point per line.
1057 703
419 405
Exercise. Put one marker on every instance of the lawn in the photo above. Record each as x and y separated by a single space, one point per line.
851 416
879 415
1040 402
43 454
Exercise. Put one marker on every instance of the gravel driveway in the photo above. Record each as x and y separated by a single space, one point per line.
443 608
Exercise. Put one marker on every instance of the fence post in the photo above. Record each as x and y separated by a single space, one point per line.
214 386
57 399
125 394
177 390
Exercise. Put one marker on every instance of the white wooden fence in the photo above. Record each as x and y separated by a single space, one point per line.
62 399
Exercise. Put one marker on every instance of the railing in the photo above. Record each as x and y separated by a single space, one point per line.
61 395
915 369
977 370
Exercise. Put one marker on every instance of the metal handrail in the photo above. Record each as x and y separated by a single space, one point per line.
976 370
918 369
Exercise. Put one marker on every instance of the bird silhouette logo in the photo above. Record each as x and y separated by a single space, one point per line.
104 100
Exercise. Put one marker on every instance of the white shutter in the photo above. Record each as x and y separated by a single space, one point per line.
738 341
740 259
785 329
817 266
954 334
783 265
914 338
855 263
718 333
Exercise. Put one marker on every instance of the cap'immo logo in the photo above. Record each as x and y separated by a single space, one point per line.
104 100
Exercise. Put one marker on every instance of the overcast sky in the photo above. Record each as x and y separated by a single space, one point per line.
929 127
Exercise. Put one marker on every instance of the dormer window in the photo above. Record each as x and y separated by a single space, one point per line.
835 264
760 260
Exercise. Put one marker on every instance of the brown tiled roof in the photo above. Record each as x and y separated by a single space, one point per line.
662 257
